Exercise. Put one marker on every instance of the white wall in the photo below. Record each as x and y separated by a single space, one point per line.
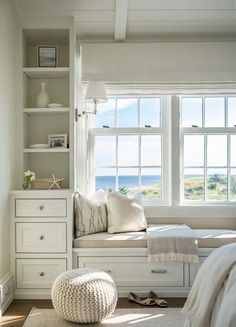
160 62
8 93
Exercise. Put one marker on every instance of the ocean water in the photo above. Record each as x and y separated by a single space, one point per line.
125 181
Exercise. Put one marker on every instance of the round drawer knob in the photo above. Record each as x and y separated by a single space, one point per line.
41 274
42 237
41 208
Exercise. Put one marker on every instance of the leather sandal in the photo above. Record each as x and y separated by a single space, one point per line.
158 301
135 298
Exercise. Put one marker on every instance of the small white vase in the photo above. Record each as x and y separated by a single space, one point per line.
42 100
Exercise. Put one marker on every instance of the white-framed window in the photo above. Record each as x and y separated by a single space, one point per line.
208 149
129 147
176 150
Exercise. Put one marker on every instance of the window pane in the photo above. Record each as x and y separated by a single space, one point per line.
128 150
231 112
128 180
105 151
105 178
233 150
193 150
192 112
150 109
151 183
217 184
233 184
214 112
151 150
216 150
106 114
194 184
127 110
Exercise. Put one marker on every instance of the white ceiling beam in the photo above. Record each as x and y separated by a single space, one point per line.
121 19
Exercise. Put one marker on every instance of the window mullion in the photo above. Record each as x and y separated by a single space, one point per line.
139 161
228 167
205 166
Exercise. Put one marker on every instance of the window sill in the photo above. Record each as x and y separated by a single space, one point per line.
191 211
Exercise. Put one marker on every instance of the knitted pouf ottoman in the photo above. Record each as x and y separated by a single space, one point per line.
84 295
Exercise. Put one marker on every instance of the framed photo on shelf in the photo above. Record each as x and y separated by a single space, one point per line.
47 56
57 140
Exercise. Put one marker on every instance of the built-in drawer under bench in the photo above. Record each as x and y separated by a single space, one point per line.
124 257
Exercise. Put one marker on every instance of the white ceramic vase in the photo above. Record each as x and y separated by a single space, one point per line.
42 100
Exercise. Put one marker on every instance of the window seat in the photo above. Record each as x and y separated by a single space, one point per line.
207 238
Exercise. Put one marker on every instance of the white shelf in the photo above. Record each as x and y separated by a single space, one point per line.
49 150
36 111
55 72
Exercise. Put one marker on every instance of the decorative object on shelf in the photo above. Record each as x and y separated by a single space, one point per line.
54 105
29 178
39 146
42 98
48 183
57 140
47 56
95 93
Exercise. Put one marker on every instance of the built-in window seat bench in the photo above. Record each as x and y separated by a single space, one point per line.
124 256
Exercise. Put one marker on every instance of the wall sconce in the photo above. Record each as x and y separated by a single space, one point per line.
95 93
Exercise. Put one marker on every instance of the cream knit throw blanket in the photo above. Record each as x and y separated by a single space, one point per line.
174 243
213 273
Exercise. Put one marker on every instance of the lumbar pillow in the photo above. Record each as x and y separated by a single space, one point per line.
90 214
125 214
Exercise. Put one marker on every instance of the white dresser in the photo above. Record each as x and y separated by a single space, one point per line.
42 229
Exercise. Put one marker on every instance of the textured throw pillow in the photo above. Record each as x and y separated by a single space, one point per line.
125 214
90 214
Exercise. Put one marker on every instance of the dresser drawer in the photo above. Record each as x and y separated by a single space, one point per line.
41 237
40 207
38 273
136 271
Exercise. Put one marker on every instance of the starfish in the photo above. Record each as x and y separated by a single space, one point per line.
55 182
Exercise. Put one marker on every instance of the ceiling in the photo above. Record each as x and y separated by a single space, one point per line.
122 20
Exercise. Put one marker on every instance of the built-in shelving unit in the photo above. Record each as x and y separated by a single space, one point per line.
57 72
44 111
49 150
36 124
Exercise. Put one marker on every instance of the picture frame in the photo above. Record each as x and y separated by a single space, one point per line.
47 56
57 140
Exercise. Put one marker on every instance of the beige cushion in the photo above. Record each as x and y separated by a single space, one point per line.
90 214
125 214
207 238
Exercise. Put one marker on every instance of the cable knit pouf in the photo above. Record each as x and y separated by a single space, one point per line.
84 295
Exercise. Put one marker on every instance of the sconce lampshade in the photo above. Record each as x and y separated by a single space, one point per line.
96 92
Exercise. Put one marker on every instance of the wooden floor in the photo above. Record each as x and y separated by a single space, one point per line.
19 309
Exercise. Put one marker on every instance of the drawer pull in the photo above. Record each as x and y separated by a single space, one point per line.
108 271
159 271
42 237
41 274
41 208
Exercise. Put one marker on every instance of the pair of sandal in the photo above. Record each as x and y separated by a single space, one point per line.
152 300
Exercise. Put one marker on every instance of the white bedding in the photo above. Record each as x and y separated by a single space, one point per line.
212 300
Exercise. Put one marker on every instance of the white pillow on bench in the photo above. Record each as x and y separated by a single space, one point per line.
125 214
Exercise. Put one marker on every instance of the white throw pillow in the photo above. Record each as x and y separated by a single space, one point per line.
125 214
90 214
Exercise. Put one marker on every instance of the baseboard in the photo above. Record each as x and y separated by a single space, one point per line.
6 292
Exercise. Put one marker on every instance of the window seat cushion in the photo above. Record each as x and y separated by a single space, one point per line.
207 238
